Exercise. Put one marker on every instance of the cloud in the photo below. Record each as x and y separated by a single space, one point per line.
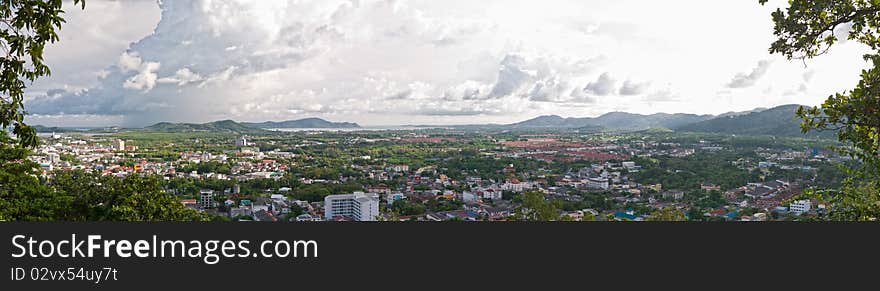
742 80
801 89
511 77
630 88
808 75
663 95
385 61
145 79
603 86
182 77
129 62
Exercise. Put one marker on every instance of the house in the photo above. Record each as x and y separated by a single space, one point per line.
673 194
463 215
191 203
381 188
597 183
468 197
489 193
628 215
240 211
515 185
264 215
390 198
495 213
710 187
308 217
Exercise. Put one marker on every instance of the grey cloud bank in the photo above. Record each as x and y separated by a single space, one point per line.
394 62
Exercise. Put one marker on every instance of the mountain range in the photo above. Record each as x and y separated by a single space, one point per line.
614 121
245 127
779 121
303 123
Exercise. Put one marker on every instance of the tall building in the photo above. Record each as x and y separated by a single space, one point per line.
53 158
241 142
358 206
119 145
206 199
799 207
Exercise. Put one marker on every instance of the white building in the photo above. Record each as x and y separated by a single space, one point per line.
241 142
799 207
119 145
598 183
491 194
515 186
394 197
53 158
358 206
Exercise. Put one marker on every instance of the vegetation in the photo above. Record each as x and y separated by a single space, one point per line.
667 214
72 196
807 29
778 121
536 208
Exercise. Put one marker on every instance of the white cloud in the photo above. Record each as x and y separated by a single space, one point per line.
742 80
182 77
419 61
603 86
145 79
630 88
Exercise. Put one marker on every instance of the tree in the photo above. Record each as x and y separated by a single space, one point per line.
696 214
536 208
667 214
27 26
407 208
108 198
22 195
809 28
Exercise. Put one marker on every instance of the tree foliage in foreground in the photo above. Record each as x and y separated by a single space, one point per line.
26 26
667 214
535 208
809 28
108 198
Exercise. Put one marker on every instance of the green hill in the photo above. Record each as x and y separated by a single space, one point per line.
614 121
778 121
303 123
223 126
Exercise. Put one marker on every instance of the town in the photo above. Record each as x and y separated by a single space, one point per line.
445 174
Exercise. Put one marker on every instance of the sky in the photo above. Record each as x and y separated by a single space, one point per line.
392 62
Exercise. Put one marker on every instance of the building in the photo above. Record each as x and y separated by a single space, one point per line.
206 199
53 158
241 142
515 185
710 187
118 145
598 183
390 198
358 206
799 207
675 195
